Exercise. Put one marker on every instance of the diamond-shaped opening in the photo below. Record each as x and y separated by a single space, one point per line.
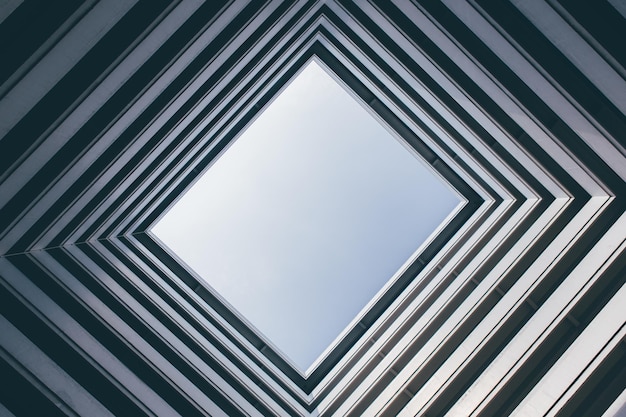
307 217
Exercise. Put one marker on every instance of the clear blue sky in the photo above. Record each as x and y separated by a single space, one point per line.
307 215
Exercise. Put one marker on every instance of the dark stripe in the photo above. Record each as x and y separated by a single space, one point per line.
79 79
63 96
558 66
61 352
21 397
604 23
27 28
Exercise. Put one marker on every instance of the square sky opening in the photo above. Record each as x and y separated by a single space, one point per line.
307 216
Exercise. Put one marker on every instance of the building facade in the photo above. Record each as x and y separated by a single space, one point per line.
110 109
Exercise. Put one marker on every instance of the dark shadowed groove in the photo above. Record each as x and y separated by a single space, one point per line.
31 23
62 96
604 23
558 66
600 389
20 396
90 376
121 349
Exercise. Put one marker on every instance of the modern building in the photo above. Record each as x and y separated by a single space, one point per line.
111 109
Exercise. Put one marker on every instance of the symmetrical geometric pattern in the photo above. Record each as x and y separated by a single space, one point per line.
110 109
306 216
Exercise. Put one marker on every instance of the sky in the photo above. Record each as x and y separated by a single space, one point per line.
306 216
